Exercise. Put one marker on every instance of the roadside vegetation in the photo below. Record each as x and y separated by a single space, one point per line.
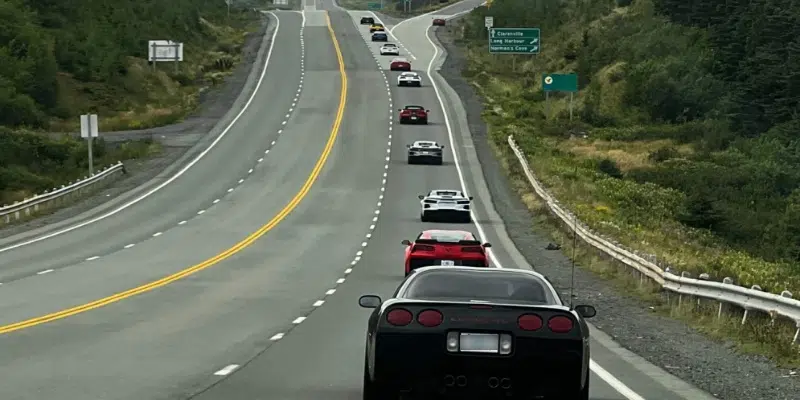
685 139
62 59
394 8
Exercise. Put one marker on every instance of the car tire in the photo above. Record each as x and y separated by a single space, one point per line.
466 219
439 162
370 389
403 121
424 121
411 161
584 394
424 218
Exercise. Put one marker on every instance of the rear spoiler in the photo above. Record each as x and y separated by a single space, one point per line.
460 242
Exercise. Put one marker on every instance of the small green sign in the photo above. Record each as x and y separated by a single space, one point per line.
514 40
560 82
373 6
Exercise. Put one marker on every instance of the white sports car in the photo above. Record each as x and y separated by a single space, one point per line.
445 204
425 151
409 79
390 49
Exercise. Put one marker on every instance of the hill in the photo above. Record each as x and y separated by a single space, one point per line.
62 59
685 139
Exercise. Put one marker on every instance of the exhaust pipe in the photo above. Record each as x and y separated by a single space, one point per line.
505 383
449 380
461 381
494 383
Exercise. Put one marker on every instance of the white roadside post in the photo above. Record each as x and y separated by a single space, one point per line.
488 22
89 131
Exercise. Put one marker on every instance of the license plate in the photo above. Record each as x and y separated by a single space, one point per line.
413 117
479 342
425 153
448 263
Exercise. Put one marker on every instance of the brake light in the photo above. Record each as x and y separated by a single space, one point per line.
560 324
430 318
530 322
472 249
399 317
423 247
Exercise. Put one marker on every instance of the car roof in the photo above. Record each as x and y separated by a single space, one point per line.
378 33
389 45
444 235
493 285
403 59
446 192
409 73
413 107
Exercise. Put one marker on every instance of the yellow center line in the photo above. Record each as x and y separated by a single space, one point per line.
250 239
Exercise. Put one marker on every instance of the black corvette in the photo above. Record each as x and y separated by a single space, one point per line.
482 333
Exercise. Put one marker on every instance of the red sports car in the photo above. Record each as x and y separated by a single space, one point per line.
413 115
438 22
445 247
400 64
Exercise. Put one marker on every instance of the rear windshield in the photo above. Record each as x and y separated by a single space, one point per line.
487 286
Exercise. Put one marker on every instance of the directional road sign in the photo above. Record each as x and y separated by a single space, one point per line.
373 6
514 40
560 82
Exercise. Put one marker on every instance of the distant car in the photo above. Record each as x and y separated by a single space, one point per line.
425 151
409 79
449 205
376 28
446 248
400 64
367 21
413 115
438 22
390 49
380 37
476 333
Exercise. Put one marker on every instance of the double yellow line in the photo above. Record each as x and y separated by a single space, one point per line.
250 239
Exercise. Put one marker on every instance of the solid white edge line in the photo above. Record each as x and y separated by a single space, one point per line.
182 170
606 376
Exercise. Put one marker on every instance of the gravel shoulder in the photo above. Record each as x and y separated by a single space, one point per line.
177 140
672 345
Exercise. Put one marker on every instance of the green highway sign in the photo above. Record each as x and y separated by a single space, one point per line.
373 6
560 82
514 40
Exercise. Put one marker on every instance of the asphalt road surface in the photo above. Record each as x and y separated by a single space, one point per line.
268 308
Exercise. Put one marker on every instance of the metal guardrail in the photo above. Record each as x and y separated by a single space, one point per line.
753 298
28 207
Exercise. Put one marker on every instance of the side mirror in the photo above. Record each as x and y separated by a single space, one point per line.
421 197
408 146
487 245
369 301
471 198
406 242
443 147
427 110
586 311
399 109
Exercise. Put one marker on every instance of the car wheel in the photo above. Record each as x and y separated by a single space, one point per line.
584 394
439 162
466 219
424 218
424 121
410 161
371 390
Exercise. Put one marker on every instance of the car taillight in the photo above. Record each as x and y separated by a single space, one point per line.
560 324
399 317
529 322
430 318
423 247
472 249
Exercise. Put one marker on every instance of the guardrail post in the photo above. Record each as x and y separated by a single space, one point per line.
702 277
747 309
726 281
684 274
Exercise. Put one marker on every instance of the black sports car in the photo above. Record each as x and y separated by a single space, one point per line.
367 21
476 333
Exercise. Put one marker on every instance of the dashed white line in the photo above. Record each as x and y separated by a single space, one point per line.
157 234
201 212
348 271
92 258
47 271
230 190
331 291
340 281
276 337
181 223
250 171
298 320
241 180
128 246
215 201
227 370
319 303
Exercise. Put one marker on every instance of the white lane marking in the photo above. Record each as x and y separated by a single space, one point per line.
201 212
182 171
241 180
319 303
340 281
227 370
348 271
299 320
616 384
157 234
92 258
47 271
181 223
276 337
128 246
331 291
215 201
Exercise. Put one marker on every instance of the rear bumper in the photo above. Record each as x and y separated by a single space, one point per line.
425 158
446 214
419 365
419 262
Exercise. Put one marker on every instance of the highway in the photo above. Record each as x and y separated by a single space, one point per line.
239 279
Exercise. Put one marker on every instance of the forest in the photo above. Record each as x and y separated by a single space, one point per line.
60 59
686 136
